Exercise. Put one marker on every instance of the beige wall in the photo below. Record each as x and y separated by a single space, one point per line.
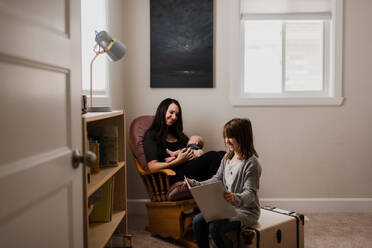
306 152
115 23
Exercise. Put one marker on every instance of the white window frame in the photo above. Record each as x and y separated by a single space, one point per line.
332 94
100 97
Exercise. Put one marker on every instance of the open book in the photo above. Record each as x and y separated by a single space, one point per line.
210 200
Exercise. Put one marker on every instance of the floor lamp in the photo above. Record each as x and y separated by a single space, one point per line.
115 50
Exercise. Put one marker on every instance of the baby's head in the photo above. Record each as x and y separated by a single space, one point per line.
196 140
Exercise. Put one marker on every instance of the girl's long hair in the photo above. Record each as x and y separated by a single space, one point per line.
159 128
241 130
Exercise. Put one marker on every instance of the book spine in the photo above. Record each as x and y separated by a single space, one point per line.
94 147
102 211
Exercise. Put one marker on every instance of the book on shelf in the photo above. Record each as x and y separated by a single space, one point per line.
94 147
90 209
98 140
107 137
102 200
112 197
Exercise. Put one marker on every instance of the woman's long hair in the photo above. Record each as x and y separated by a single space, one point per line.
159 127
241 130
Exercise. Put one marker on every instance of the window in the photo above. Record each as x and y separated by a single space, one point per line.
289 52
94 18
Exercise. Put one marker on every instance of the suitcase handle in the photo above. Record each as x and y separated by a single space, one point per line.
279 236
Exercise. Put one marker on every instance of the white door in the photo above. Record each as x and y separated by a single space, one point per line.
41 194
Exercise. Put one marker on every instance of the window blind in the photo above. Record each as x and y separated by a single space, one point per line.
286 9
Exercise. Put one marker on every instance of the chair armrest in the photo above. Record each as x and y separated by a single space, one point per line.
167 172
157 182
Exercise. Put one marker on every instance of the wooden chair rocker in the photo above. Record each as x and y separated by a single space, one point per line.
168 219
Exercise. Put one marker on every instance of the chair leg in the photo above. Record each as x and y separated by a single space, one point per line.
167 220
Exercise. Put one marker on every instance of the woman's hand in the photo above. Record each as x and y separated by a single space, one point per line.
169 159
229 196
185 155
171 153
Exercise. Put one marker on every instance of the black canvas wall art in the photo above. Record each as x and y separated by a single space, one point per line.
181 43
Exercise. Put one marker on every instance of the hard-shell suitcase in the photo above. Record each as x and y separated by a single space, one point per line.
276 228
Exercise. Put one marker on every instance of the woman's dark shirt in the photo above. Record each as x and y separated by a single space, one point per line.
157 151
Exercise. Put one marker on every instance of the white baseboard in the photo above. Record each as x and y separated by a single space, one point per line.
137 206
320 205
299 205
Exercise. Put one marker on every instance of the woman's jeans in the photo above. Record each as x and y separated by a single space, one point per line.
217 229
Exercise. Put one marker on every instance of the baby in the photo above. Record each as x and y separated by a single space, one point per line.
195 142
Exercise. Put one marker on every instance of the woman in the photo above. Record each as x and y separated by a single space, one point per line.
166 132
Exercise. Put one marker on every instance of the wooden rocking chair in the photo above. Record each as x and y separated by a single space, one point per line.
168 219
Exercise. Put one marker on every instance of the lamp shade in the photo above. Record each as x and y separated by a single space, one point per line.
115 49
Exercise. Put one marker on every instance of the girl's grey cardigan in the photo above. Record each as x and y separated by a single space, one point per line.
245 187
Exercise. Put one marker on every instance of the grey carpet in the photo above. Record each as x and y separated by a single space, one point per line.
323 230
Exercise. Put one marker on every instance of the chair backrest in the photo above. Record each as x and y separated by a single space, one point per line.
137 130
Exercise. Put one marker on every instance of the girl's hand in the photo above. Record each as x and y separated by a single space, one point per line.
185 155
229 196
188 180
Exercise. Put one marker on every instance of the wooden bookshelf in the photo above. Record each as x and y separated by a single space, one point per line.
101 232
97 180
98 234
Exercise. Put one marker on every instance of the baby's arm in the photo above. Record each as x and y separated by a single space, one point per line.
198 153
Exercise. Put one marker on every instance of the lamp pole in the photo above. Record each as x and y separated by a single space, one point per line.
91 78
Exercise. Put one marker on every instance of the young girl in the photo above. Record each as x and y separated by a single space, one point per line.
240 172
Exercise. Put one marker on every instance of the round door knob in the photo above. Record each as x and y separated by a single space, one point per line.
89 158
